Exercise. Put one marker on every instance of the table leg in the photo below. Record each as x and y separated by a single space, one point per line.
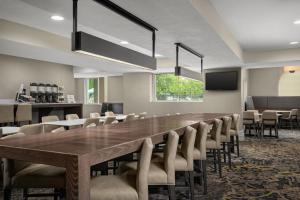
78 179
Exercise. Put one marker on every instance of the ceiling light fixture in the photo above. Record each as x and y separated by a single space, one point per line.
57 18
124 42
158 55
293 43
181 71
297 22
91 45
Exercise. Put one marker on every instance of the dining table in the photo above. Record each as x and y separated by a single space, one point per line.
77 150
8 130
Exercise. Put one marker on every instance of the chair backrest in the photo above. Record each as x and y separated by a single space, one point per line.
142 115
235 125
91 122
109 113
170 155
51 118
24 113
109 120
248 115
72 116
201 137
187 146
58 130
294 112
143 169
216 131
130 117
11 167
269 115
32 129
94 115
6 113
226 127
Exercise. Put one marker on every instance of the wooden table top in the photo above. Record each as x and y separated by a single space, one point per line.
90 140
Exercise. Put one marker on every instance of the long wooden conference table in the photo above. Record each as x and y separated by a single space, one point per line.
78 149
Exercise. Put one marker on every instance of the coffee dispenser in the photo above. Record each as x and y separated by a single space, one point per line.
54 93
48 93
34 91
41 93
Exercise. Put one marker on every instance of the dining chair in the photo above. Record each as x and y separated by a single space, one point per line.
162 169
213 143
142 115
95 115
32 129
109 113
7 114
125 186
23 113
130 117
251 121
200 154
73 117
47 127
225 139
234 132
25 175
110 120
91 122
290 119
270 120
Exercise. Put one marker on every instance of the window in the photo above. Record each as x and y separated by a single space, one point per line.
169 87
91 91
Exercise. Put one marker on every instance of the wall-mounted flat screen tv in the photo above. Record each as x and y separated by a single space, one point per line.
221 80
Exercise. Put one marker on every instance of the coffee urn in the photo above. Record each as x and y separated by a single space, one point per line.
54 93
48 93
41 93
34 91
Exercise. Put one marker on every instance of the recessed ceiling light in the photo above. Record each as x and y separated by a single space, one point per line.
124 42
293 43
297 22
57 18
158 55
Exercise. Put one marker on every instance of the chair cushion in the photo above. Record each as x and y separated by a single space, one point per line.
180 163
211 144
40 176
198 155
233 132
114 188
156 176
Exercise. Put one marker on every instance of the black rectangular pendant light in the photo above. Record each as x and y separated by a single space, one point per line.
91 45
184 72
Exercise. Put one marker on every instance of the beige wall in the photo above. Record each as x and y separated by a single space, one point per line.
289 84
15 70
137 98
114 89
264 81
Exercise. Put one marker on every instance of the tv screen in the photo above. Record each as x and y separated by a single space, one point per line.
221 80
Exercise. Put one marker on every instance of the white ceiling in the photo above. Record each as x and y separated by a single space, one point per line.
261 24
177 21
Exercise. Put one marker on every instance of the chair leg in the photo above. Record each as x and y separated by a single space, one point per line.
237 145
229 154
200 170
171 189
215 162
224 151
25 193
204 174
191 183
7 194
219 162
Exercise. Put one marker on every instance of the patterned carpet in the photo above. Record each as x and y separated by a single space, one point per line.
268 169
